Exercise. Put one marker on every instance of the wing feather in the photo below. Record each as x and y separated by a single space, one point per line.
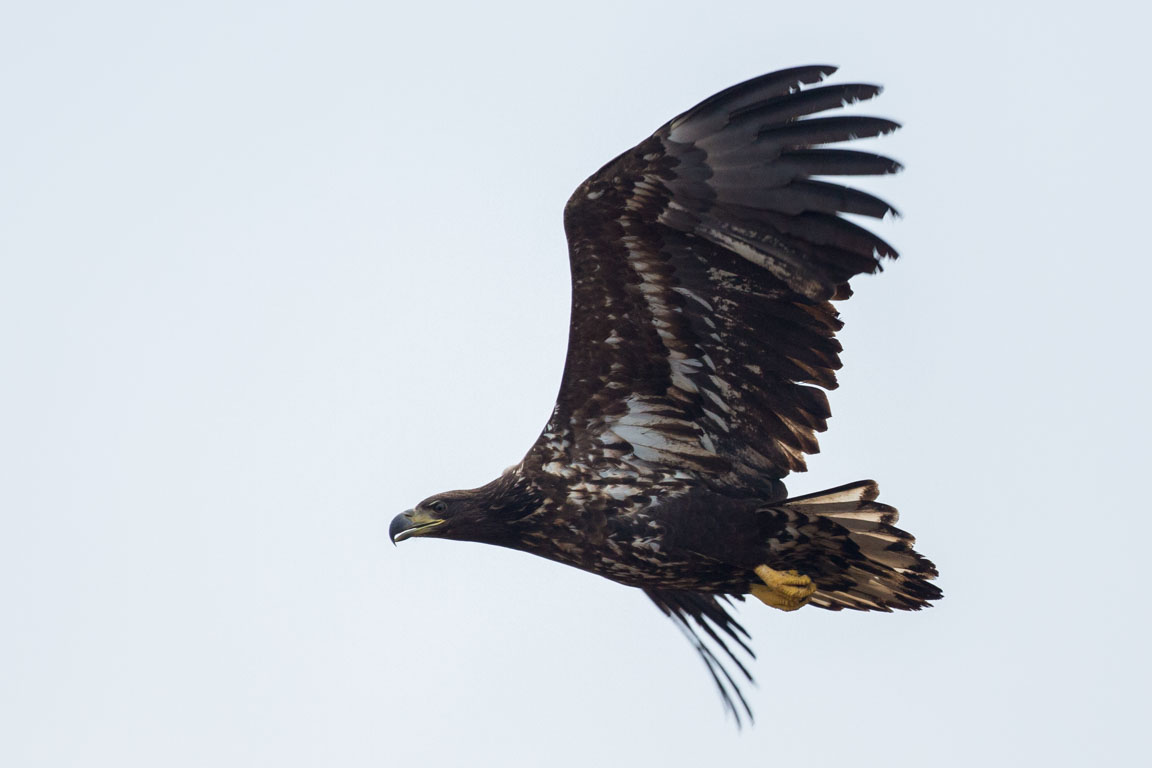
708 613
703 264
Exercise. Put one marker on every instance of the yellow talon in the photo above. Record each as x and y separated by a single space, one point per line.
786 590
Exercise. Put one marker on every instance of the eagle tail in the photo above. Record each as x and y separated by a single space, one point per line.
855 555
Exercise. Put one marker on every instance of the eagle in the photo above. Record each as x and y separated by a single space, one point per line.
705 262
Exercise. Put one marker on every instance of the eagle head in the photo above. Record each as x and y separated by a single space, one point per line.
489 514
445 516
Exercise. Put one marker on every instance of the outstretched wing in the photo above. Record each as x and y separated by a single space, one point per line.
703 264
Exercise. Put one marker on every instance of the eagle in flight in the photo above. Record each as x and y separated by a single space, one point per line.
704 262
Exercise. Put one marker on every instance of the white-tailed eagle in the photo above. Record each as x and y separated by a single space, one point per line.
705 261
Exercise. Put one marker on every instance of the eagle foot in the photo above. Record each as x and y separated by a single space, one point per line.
786 590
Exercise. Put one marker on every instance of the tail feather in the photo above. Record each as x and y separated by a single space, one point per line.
859 559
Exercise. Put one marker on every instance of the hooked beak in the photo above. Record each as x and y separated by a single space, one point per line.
411 523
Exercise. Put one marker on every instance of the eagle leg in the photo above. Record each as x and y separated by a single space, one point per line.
786 590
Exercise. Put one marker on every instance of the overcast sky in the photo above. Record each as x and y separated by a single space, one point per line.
273 272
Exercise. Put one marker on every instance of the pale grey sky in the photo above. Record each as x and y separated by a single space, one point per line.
272 272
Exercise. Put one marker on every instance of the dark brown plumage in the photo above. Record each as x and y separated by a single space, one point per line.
704 262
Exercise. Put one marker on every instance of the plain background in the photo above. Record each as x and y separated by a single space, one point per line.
273 272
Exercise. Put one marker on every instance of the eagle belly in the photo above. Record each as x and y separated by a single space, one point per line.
695 540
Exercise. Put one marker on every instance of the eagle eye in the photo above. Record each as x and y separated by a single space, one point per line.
438 506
